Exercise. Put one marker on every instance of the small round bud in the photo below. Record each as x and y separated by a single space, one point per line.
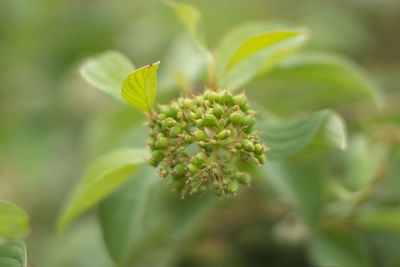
228 169
232 187
241 101
168 123
249 121
200 135
214 97
162 143
179 169
227 99
178 183
199 158
188 139
210 120
153 163
218 111
187 103
161 117
191 168
258 149
248 145
175 131
157 155
192 116
236 118
261 158
224 134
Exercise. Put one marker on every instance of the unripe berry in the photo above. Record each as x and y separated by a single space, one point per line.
199 158
218 111
168 123
153 163
178 183
236 118
241 101
162 143
210 120
258 149
228 169
227 99
191 168
214 97
224 134
179 169
191 115
157 155
187 139
232 187
175 131
161 117
248 121
187 103
261 158
242 177
200 123
248 145
200 135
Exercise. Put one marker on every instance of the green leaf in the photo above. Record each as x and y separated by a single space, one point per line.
122 213
260 62
13 254
286 138
334 247
188 14
314 80
139 88
362 161
14 222
259 42
384 219
300 184
190 17
101 178
107 72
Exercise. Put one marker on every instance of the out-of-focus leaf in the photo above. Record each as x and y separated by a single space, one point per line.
385 220
139 88
141 216
363 159
101 178
122 213
256 62
300 184
314 80
285 138
107 72
14 222
13 254
259 42
190 16
337 248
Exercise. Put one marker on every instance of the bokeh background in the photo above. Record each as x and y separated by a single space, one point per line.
48 113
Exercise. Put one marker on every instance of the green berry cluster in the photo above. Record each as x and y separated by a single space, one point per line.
197 141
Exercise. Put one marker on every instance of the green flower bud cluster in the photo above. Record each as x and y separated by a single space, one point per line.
197 142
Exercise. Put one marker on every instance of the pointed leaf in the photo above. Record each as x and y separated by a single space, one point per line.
188 14
139 88
259 42
285 138
122 213
316 80
107 72
101 178
13 254
14 222
334 247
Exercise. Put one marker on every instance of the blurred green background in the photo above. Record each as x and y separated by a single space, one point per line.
52 123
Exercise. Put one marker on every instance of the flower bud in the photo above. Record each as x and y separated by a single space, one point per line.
258 149
227 99
179 169
248 145
224 134
175 131
199 158
232 187
218 111
210 120
157 155
236 118
162 143
200 135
